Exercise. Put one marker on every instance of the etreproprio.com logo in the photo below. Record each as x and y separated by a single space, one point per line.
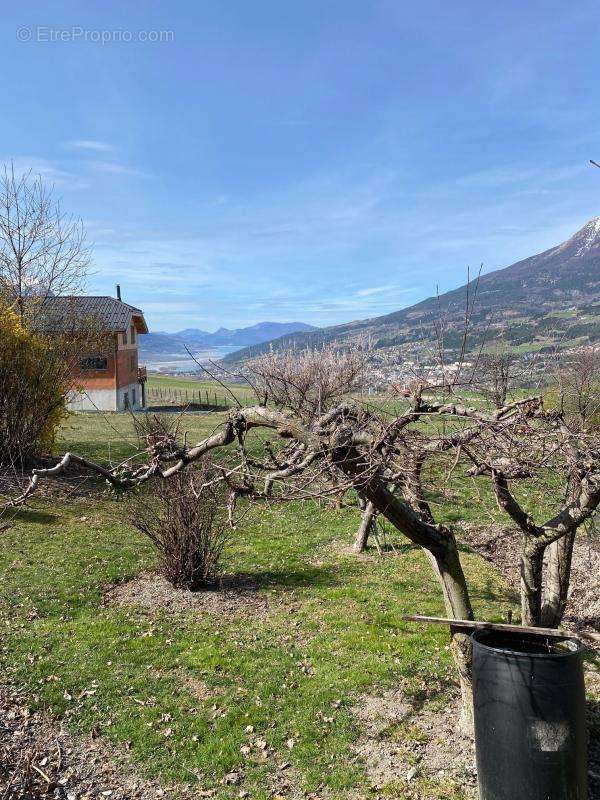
77 33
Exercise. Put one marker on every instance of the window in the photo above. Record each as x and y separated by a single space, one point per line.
132 334
126 400
124 337
132 363
93 363
133 397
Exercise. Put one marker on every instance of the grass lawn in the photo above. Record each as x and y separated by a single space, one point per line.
177 387
173 383
179 692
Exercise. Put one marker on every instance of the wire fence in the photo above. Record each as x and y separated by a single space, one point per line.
197 398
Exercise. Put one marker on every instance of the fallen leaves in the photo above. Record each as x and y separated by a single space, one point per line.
40 759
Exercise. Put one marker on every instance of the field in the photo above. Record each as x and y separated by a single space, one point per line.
179 389
267 690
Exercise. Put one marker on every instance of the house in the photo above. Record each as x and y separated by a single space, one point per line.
110 380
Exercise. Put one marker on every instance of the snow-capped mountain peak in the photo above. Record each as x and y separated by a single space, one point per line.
588 236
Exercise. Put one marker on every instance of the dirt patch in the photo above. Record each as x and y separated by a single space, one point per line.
420 748
40 759
234 595
417 747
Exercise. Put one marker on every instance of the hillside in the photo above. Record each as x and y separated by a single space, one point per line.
547 300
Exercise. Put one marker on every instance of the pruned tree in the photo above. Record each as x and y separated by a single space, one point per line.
546 479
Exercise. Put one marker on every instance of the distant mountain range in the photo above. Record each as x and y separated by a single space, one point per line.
155 345
544 302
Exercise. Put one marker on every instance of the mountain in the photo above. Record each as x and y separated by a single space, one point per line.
173 344
255 334
542 302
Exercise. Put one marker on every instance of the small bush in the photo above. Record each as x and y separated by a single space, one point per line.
183 521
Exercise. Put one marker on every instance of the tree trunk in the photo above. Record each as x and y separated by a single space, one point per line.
441 549
448 569
532 567
367 522
458 606
558 574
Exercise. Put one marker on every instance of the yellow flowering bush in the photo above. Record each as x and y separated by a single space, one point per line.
34 381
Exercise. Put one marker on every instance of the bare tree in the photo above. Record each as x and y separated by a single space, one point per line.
42 253
42 249
546 477
308 382
578 381
496 375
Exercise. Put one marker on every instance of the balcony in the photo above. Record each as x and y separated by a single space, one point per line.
142 375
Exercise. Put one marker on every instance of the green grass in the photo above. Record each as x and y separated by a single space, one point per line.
333 630
172 383
109 436
179 386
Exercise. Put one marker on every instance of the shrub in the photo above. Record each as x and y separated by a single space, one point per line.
182 519
34 381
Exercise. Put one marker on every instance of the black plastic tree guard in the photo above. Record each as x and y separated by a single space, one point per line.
529 713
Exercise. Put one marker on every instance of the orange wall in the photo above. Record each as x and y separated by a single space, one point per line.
110 378
97 379
125 372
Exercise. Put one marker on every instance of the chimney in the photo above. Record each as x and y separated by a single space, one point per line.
118 291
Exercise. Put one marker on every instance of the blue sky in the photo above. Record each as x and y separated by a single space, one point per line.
314 161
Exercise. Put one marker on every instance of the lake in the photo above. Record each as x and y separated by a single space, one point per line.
176 363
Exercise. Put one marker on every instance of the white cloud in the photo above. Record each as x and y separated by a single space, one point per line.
536 176
50 171
389 288
113 168
90 144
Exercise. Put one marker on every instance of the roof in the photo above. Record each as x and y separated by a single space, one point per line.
60 312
